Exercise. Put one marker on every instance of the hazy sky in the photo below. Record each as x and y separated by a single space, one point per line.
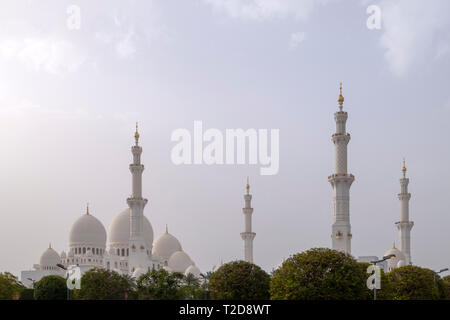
69 99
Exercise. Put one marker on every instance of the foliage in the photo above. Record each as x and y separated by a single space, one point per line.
50 288
446 286
239 280
191 288
382 294
160 285
10 287
319 274
415 283
103 284
27 294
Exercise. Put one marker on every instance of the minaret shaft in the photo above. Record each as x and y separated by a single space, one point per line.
404 226
248 236
341 181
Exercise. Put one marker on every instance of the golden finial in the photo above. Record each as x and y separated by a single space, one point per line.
87 208
136 134
393 245
167 228
341 97
49 245
404 166
248 185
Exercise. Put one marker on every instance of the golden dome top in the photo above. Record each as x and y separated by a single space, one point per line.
247 186
404 166
341 97
136 134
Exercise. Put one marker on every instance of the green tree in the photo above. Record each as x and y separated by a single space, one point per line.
50 288
446 286
191 288
102 284
415 283
319 274
239 280
27 294
160 285
10 287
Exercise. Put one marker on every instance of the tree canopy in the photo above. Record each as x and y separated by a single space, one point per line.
160 285
319 274
102 284
239 280
50 288
10 287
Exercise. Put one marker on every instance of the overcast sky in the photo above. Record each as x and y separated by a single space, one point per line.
69 99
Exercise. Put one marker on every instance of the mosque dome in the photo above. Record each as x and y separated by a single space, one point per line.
119 230
50 258
179 261
87 230
193 270
165 246
392 263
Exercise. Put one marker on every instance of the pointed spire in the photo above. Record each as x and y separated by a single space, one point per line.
136 134
404 168
340 99
87 208
49 245
167 229
248 186
393 245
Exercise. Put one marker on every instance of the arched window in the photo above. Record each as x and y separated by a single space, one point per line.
123 252
118 251
128 252
84 250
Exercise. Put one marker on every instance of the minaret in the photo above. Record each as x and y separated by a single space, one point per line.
341 181
138 252
248 235
404 226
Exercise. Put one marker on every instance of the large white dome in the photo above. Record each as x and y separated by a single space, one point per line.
165 246
119 230
179 261
87 230
50 258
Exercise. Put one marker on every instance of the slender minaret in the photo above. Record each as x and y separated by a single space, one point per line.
404 226
341 181
138 252
248 235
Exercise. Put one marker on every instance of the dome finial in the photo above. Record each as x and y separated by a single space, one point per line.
87 208
404 167
167 228
340 99
49 245
248 185
393 245
136 134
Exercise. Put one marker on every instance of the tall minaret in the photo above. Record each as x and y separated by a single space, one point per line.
138 252
404 226
341 181
248 235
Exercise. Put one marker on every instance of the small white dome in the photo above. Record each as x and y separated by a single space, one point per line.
179 261
165 246
87 230
50 258
193 270
119 230
393 262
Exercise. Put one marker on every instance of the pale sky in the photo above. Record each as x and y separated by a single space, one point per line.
69 100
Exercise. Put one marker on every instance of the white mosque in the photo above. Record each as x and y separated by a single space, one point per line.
131 249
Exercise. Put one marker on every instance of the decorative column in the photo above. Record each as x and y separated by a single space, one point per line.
341 181
138 252
248 235
404 226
